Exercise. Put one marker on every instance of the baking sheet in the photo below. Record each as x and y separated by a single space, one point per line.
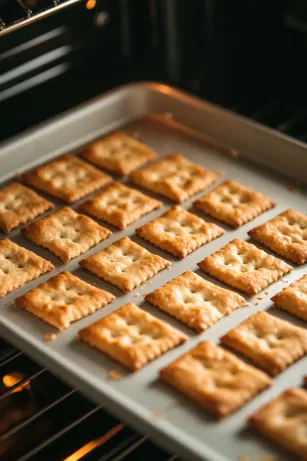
140 398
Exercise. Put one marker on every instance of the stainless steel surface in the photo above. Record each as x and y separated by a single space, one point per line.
210 138
5 29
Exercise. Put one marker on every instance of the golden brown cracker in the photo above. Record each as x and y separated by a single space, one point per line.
286 234
19 266
243 266
271 343
66 233
63 299
233 203
284 420
179 232
125 264
120 205
293 299
119 153
19 205
174 177
195 301
215 379
68 178
131 336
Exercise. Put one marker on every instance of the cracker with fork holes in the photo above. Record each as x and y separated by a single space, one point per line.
195 301
19 266
271 343
66 233
120 205
179 232
63 299
125 264
174 177
243 266
286 235
215 379
284 420
119 153
233 203
293 299
19 205
131 336
68 178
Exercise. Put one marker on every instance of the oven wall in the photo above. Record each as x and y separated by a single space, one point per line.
242 55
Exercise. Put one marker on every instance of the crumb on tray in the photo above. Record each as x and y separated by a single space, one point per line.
234 153
49 337
116 375
156 416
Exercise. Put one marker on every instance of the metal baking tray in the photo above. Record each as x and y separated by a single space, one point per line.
169 121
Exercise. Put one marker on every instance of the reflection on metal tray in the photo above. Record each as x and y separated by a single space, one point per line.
206 135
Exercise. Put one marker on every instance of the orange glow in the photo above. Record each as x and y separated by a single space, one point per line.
15 378
31 2
88 447
90 4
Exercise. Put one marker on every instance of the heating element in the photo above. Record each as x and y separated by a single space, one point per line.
53 422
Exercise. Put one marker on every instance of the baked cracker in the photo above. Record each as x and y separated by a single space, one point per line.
19 205
120 205
119 153
131 336
179 232
66 233
243 266
68 178
233 203
293 299
195 301
284 420
19 266
271 343
174 177
125 264
215 379
63 299
286 234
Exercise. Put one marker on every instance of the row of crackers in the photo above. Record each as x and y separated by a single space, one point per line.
213 377
179 232
176 178
210 375
69 178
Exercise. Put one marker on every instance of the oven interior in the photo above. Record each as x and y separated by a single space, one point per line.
246 56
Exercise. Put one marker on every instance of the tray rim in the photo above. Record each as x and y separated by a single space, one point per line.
152 88
158 87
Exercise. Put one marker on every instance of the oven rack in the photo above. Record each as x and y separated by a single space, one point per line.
115 442
27 16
